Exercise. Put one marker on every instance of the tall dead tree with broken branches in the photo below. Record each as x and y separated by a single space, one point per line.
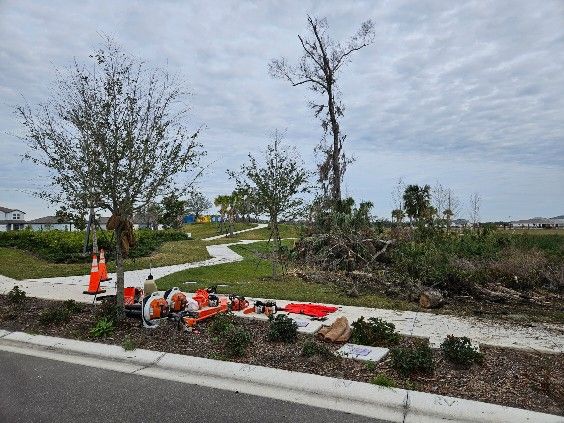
318 69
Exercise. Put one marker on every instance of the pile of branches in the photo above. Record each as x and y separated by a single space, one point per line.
342 251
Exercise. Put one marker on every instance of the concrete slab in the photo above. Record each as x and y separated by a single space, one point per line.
363 352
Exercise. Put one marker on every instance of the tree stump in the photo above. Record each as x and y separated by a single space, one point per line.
430 298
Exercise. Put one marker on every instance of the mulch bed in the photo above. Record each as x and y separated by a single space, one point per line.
509 377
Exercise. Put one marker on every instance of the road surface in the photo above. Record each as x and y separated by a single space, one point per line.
41 390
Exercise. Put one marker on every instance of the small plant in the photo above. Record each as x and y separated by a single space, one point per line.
383 380
236 341
109 310
412 359
374 332
221 323
16 295
459 350
312 348
72 306
282 329
54 315
370 365
103 327
129 344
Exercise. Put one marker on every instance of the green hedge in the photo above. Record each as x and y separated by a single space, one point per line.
66 247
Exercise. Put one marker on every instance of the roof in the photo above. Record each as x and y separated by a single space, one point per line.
46 220
539 220
7 210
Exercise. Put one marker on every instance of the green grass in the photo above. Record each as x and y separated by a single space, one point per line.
206 230
20 264
252 277
286 231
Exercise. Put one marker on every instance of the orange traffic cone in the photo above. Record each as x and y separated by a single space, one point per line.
102 267
94 285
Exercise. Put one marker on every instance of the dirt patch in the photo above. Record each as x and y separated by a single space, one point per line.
513 378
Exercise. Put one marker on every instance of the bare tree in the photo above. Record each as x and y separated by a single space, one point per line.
474 209
197 203
113 137
452 207
439 199
318 69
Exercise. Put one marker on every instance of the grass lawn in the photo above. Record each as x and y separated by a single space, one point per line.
20 264
252 277
206 230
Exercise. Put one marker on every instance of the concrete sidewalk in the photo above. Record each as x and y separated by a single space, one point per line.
259 226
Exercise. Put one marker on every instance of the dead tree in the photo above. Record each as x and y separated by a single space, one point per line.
318 69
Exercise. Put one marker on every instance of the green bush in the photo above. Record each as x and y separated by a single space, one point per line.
66 247
128 344
221 323
282 329
409 360
374 332
72 306
236 341
459 350
54 314
312 348
103 327
383 380
16 295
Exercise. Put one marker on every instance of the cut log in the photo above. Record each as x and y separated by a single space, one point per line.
430 298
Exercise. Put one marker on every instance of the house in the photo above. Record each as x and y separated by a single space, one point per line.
11 219
49 223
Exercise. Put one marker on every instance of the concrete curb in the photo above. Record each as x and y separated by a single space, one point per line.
397 405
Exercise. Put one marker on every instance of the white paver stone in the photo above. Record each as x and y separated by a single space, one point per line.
363 352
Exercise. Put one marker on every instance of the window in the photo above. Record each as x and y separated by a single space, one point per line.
16 216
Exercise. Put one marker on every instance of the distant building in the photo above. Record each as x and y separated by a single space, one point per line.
539 223
50 223
11 219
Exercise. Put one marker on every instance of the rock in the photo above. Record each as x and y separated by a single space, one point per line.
430 298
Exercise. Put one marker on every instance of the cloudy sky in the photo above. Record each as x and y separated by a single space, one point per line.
469 93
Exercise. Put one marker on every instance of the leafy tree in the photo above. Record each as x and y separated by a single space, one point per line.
222 201
319 69
173 210
276 183
198 203
113 137
149 215
417 202
398 215
66 216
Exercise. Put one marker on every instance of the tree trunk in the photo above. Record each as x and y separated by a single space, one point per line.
119 268
275 234
94 240
335 162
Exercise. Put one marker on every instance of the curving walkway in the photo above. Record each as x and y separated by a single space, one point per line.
259 226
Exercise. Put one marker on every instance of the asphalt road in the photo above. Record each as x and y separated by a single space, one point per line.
41 390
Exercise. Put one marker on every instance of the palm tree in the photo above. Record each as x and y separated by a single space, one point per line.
222 201
448 214
398 215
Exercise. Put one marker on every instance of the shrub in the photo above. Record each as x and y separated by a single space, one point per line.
409 360
312 348
54 315
16 295
374 332
282 328
72 306
237 340
221 323
128 344
459 350
383 380
103 327
109 310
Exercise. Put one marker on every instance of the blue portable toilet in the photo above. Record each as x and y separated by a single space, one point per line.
189 218
215 218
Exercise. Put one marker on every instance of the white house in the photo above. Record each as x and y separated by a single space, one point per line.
49 223
11 219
